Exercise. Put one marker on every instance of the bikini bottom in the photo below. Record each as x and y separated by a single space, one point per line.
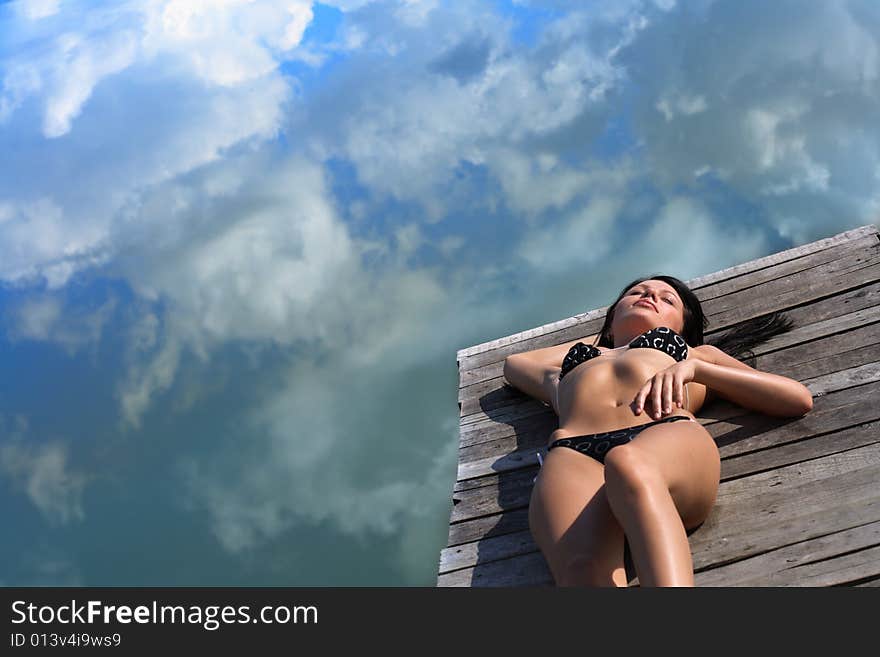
597 445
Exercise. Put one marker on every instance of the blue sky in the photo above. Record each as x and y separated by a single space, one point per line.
243 241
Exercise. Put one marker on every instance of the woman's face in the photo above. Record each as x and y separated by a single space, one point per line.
655 303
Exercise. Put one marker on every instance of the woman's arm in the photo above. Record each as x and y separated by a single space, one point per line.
536 372
764 392
553 355
532 377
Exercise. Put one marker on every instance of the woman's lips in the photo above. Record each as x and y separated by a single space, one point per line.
646 303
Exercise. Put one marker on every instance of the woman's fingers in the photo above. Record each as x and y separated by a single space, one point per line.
659 385
668 392
648 398
664 391
673 392
642 400
638 401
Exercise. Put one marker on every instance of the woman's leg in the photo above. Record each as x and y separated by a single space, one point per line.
662 483
573 525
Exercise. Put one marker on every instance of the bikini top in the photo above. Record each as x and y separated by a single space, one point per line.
661 338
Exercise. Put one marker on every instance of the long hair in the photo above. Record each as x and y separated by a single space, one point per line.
737 341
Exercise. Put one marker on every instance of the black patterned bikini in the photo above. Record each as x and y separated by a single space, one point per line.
661 338
597 445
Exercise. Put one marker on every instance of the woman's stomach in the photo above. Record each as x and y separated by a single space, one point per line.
600 398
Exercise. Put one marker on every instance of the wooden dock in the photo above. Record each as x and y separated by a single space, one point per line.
799 501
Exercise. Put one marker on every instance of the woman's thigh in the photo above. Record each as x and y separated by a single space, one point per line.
686 457
572 523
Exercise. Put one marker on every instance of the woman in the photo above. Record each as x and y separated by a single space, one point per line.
629 459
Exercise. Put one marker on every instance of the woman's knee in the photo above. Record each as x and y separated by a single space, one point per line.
631 473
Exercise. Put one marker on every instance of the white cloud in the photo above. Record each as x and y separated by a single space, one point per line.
78 65
144 380
224 42
48 317
36 317
425 528
780 110
220 64
582 238
281 269
594 199
535 184
409 238
681 240
258 275
37 235
406 134
302 463
19 82
36 9
278 272
42 472
670 107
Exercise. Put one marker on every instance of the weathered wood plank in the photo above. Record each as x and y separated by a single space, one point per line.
476 529
784 563
777 298
815 447
792 268
733 531
525 570
845 407
839 461
851 258
832 572
531 416
869 583
514 492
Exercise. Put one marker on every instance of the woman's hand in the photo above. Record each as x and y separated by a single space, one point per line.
665 389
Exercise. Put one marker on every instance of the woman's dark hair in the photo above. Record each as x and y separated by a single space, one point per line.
737 341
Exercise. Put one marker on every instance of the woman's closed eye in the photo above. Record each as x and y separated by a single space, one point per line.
668 300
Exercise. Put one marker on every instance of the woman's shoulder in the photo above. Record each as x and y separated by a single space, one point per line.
712 354
703 352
